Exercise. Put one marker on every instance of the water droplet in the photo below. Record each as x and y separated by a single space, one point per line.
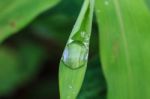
75 55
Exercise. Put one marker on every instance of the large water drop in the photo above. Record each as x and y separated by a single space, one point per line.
75 55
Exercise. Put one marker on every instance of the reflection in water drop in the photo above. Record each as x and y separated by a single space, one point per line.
75 55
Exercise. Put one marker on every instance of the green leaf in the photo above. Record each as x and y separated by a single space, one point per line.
16 14
74 60
125 47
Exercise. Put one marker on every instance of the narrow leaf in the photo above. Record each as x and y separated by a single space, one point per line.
125 47
74 60
15 14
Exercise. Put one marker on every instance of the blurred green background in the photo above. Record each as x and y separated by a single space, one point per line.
29 59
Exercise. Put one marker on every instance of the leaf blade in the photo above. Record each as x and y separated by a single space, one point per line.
70 80
124 48
17 14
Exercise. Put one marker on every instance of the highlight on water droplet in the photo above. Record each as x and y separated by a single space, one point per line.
75 55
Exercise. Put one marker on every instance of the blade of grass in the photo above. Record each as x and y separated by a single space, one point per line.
16 14
71 75
125 47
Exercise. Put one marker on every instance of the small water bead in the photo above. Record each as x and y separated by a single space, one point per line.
75 55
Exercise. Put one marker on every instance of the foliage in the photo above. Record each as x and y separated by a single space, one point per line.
74 59
124 47
33 34
18 13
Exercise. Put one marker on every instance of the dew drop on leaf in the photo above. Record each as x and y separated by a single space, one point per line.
75 55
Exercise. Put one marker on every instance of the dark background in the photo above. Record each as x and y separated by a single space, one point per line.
29 60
